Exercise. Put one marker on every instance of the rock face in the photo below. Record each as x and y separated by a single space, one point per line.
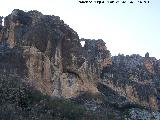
134 79
56 63
48 54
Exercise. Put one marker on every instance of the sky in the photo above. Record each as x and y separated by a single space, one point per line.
126 28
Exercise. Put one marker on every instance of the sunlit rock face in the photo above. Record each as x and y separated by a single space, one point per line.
48 54
56 63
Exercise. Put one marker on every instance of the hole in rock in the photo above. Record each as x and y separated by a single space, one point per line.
82 43
3 22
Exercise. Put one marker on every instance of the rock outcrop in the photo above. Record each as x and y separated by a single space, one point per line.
134 78
47 54
55 61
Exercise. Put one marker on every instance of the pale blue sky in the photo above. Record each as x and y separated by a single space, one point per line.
126 28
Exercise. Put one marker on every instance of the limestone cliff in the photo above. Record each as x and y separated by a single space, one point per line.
56 63
47 54
134 78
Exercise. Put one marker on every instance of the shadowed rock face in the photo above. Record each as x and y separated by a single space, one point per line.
48 54
134 78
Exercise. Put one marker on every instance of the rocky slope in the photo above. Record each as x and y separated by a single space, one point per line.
46 54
